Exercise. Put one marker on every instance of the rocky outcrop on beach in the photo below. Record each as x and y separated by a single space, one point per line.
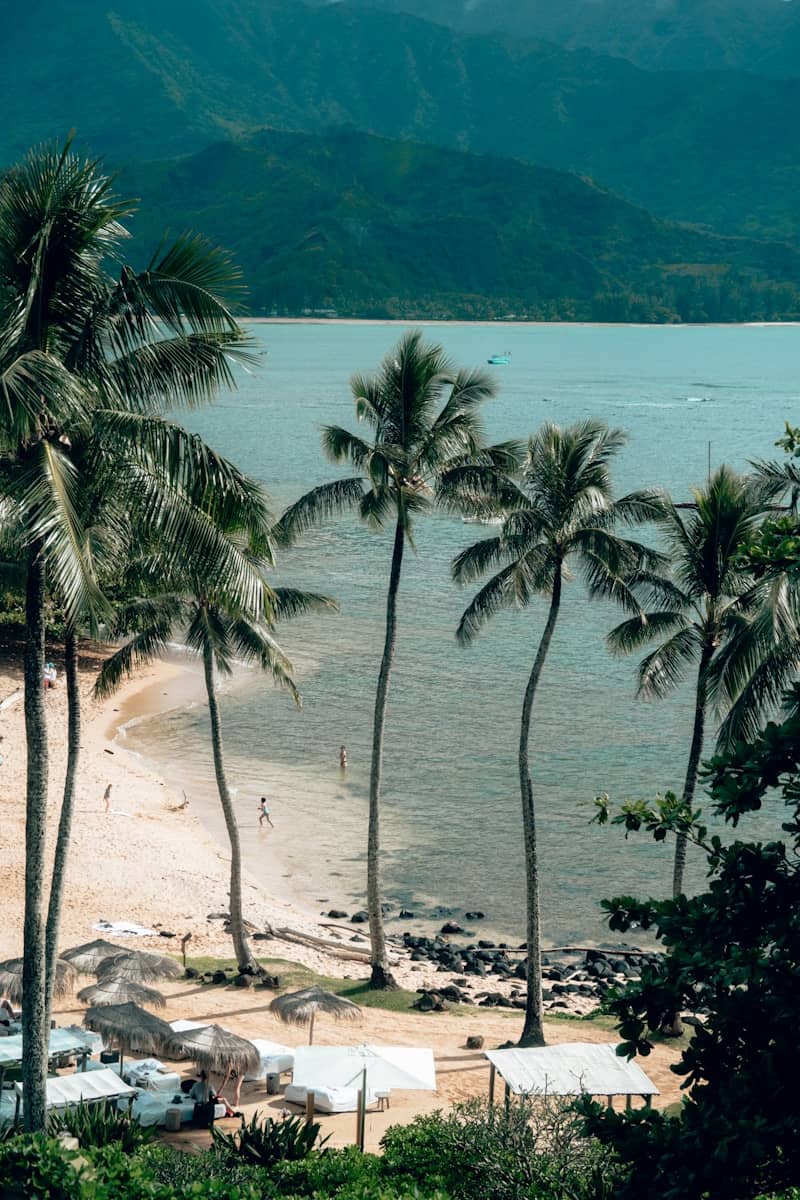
493 975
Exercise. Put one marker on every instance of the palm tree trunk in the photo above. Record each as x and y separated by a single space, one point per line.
381 976
696 749
65 820
34 1006
533 1031
241 946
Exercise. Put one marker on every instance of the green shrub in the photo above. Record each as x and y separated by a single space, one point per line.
532 1150
32 1165
181 1171
267 1142
101 1125
327 1172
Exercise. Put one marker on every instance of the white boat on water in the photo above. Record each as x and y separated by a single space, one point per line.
483 520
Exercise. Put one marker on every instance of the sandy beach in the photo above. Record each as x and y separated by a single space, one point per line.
150 860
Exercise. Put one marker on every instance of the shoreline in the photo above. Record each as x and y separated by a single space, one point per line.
504 324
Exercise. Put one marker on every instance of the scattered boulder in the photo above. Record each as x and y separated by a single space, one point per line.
451 927
337 914
243 981
475 916
358 918
219 977
165 933
191 973
405 915
474 1042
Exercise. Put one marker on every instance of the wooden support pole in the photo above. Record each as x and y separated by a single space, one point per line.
492 1076
628 1104
309 1107
362 1111
609 1102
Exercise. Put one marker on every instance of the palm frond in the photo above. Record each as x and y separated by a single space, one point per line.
637 631
662 670
320 504
288 603
474 561
498 593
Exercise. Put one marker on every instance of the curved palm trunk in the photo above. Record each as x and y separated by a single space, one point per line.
65 820
381 976
241 946
34 1007
533 1032
696 749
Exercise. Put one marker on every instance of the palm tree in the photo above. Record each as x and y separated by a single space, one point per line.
561 509
71 338
709 613
221 631
427 448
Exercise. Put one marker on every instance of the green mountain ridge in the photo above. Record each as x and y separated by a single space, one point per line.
761 36
144 80
366 226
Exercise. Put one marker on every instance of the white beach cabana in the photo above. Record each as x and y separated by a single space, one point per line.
571 1069
70 1040
84 1087
347 1078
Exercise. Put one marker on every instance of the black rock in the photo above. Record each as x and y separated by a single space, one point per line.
520 971
191 973
219 977
165 933
474 1042
337 914
475 916
358 918
451 927
243 981
406 915
261 937
484 945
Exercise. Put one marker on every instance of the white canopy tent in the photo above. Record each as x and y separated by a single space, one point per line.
68 1040
571 1069
386 1067
87 1087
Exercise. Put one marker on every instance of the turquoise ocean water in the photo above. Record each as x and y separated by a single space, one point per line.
451 825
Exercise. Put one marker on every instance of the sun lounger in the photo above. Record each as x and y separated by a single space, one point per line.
152 1076
275 1058
150 1108
327 1099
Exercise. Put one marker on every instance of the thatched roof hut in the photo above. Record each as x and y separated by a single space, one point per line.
11 979
139 966
215 1049
88 957
129 1027
116 989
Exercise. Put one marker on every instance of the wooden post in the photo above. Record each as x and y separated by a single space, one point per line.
309 1107
507 1097
609 1102
492 1075
311 1029
628 1105
16 1110
648 1101
362 1110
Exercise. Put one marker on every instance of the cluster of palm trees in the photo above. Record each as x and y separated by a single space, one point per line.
137 530
692 593
120 518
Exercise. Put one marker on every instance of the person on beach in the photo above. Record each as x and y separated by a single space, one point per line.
263 813
107 798
343 757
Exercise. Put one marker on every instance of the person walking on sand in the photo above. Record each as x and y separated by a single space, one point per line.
343 757
264 813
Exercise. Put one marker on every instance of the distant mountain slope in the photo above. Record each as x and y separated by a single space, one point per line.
762 36
367 226
145 79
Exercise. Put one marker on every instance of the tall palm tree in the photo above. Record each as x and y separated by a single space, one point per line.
560 510
427 447
708 615
70 338
221 631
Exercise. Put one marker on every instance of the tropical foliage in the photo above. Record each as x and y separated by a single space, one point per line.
708 616
561 510
734 955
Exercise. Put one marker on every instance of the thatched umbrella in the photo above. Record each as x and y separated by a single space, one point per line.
300 1008
11 979
129 1028
88 957
215 1049
116 989
139 966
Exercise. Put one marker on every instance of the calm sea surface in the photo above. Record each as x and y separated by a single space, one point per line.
451 823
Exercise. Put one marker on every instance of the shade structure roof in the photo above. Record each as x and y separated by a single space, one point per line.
387 1067
87 957
71 1040
116 989
129 1027
215 1049
139 966
571 1069
11 978
301 1008
83 1086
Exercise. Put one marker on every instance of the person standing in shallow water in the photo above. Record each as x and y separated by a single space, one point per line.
263 813
343 757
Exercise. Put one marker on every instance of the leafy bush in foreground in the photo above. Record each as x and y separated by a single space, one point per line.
267 1142
532 1149
101 1125
179 1171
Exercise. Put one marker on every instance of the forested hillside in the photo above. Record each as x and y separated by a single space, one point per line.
762 36
145 79
366 226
